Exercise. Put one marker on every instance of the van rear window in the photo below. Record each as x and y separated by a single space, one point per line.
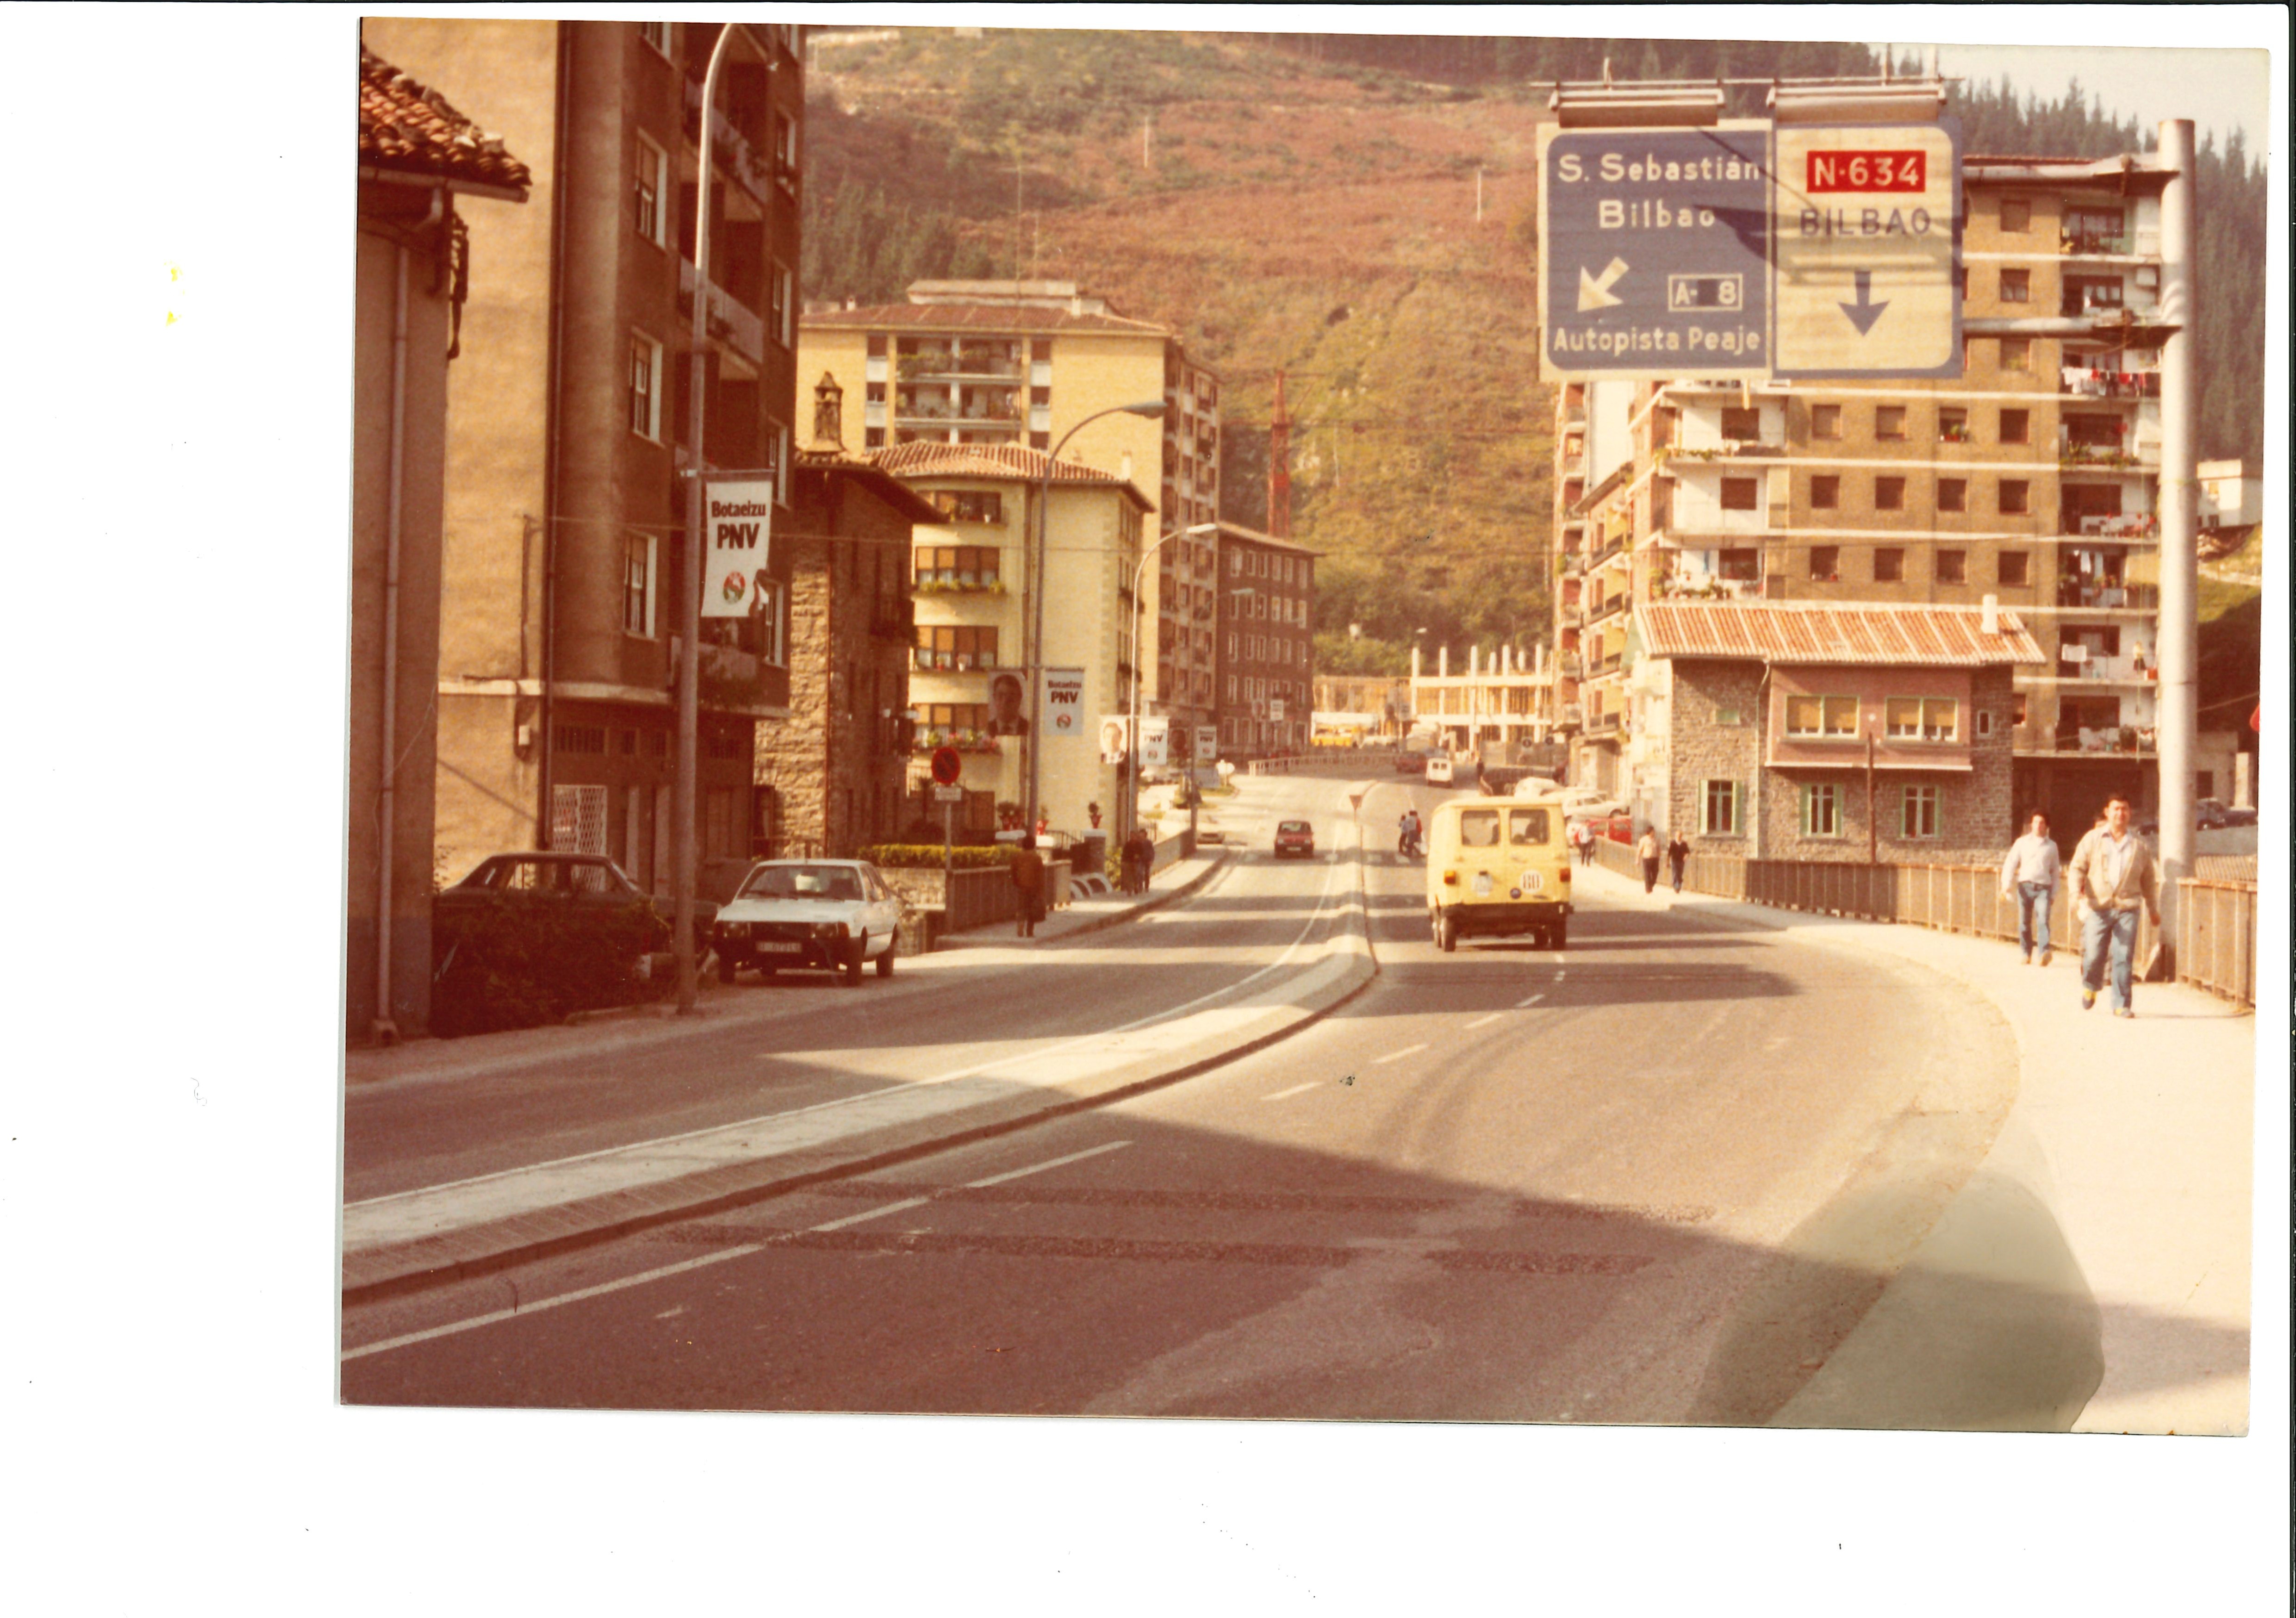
1479 828
1527 827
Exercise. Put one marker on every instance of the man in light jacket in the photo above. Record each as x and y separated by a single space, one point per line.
2029 876
2113 871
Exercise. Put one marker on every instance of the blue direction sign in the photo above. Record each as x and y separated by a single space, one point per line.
1655 253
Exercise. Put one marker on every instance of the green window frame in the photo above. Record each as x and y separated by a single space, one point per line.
1821 808
1722 809
1918 816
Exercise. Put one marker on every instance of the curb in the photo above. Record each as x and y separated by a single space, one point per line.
398 1268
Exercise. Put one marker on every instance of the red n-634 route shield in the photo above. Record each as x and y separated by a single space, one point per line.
947 765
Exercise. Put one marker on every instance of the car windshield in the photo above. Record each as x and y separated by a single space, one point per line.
1290 826
804 881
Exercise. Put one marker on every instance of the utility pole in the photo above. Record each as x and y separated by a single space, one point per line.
2176 706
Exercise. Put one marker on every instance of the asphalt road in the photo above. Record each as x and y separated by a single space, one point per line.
1605 1184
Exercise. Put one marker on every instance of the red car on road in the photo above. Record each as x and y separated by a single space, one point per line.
1294 837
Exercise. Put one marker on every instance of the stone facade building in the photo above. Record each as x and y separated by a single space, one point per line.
1815 733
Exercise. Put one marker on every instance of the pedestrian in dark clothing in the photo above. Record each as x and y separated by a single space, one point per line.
1028 880
1677 855
1648 848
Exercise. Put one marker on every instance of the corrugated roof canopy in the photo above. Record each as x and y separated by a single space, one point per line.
1816 632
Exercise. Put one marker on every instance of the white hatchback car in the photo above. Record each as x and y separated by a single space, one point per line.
828 914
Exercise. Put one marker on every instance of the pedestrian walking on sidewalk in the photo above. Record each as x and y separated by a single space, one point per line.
2113 873
1648 848
2028 878
1028 882
1677 855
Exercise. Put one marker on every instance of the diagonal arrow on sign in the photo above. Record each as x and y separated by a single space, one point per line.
1594 294
1865 312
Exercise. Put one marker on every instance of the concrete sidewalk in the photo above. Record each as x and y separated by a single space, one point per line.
423 1236
2123 1175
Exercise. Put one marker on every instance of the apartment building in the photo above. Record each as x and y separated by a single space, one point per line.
1492 707
569 431
420 162
1266 626
976 612
1021 364
2031 479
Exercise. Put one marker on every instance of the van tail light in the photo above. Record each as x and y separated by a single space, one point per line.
1450 879
1566 876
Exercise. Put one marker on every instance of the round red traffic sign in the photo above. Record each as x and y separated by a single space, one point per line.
947 765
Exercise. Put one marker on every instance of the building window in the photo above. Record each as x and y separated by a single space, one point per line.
1740 566
1953 494
2016 286
1741 426
1821 810
784 146
2017 710
1918 821
1719 810
1952 567
777 459
645 388
637 586
2009 567
1888 565
2016 216
1984 722
2015 493
1824 492
771 617
971 567
784 305
2016 354
1825 421
957 647
1826 563
2016 426
969 505
1921 718
1235 564
1740 494
656 34
1832 717
1952 425
1889 421
1888 493
653 178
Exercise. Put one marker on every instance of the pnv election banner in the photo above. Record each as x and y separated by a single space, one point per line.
1155 741
1207 744
739 519
1115 737
1062 702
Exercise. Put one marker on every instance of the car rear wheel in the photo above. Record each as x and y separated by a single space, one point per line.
885 961
728 967
853 961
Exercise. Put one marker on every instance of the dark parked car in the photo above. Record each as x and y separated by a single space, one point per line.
530 936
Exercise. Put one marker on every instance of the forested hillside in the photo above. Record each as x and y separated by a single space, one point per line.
1358 212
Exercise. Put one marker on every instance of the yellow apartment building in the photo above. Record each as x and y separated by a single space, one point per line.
1019 364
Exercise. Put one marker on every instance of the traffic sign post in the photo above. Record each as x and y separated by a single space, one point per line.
1653 253
946 767
1867 237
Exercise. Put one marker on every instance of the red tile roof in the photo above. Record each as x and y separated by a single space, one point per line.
977 317
410 128
1008 461
852 463
1817 632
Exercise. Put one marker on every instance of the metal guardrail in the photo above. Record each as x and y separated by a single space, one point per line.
2218 916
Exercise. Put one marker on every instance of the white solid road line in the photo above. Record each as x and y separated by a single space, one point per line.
720 1257
1408 1050
1493 1017
1533 1000
1295 1090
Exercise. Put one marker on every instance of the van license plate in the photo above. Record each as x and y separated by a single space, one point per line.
780 949
1483 884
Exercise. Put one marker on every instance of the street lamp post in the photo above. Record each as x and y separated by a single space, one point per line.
1152 407
1139 574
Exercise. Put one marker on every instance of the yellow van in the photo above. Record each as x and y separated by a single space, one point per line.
1498 867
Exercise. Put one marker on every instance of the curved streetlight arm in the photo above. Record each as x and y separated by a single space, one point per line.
1139 577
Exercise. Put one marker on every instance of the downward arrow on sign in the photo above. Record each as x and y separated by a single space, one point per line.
1865 312
1595 294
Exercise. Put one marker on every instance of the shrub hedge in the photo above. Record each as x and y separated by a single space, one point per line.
927 856
506 967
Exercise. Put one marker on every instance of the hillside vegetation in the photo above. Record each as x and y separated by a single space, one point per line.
1308 204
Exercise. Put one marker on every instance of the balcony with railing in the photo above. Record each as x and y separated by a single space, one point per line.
2126 525
934 660
2081 244
2080 381
2123 668
2073 593
2076 456
731 149
730 321
2126 739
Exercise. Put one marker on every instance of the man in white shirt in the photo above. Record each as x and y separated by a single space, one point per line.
2113 871
2029 876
